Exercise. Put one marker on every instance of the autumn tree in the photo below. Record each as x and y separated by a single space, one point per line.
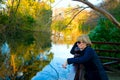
102 11
23 28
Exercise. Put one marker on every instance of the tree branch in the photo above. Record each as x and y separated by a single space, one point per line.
102 11
75 15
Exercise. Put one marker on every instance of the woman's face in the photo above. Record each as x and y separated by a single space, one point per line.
81 45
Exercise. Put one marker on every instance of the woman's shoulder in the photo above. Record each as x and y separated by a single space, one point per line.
89 48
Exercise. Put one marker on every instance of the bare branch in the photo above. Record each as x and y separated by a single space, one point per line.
17 6
102 11
75 16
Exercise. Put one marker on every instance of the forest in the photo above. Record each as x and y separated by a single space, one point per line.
27 26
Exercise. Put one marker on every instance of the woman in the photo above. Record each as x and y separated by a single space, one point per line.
93 68
79 68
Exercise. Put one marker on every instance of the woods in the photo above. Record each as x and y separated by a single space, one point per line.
26 28
102 11
21 24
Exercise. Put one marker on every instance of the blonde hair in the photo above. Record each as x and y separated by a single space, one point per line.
85 39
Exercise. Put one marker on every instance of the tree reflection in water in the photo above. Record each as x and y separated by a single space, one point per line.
54 70
29 52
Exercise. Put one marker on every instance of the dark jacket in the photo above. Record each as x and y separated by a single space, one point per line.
75 50
93 67
79 74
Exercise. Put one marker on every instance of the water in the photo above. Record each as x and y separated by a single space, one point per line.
33 53
54 70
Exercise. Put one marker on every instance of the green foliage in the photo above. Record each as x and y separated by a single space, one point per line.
58 25
30 20
33 66
25 47
42 40
1 1
25 22
4 19
113 6
43 21
84 28
105 31
26 28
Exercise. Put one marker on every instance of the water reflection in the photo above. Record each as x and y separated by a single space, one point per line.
61 50
29 53
5 49
54 70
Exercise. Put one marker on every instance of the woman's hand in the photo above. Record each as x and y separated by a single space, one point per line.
64 65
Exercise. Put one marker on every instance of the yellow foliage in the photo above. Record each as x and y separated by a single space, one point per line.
13 63
28 7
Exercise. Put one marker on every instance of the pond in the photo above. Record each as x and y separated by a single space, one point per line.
23 54
34 56
54 70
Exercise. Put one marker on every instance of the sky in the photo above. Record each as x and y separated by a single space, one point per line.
65 3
